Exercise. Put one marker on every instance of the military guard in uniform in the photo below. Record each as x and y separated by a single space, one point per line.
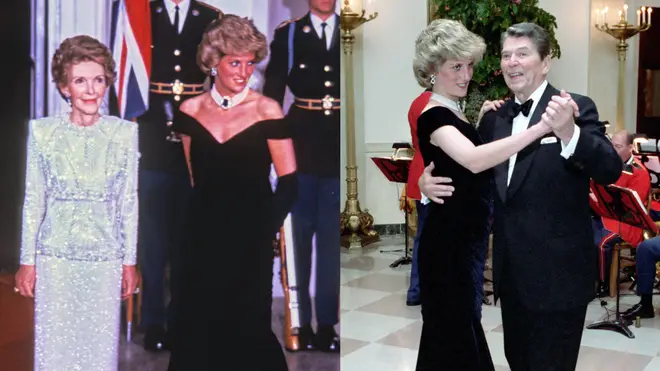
305 55
177 29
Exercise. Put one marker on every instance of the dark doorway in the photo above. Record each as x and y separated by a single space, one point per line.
648 82
15 42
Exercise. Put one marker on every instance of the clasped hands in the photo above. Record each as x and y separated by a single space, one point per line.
558 116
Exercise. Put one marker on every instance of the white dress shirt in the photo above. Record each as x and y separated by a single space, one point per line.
521 122
183 11
331 23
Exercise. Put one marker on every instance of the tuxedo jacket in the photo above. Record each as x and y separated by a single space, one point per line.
543 250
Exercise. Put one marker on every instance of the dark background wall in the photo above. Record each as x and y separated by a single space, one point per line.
15 75
649 61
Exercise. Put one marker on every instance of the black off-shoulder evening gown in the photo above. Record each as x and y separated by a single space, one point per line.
452 250
224 321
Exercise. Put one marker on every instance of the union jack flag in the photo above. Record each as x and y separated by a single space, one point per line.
131 46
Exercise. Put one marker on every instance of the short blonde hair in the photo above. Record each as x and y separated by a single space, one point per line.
441 40
230 35
77 49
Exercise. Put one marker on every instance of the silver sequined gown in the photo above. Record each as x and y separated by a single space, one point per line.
79 227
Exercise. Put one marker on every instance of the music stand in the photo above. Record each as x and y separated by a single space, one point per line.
396 170
625 206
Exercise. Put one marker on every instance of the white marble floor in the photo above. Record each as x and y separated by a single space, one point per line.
380 333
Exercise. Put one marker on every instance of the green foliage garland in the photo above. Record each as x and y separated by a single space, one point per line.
489 19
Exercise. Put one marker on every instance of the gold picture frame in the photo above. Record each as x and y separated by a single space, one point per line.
652 93
431 9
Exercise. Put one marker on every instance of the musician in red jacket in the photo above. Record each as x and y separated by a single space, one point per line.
635 177
413 193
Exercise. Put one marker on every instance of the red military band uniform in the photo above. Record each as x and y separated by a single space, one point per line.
417 164
635 177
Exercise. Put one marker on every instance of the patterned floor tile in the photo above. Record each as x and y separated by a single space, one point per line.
381 333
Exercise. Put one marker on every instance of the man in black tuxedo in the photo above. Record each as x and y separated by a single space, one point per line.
305 56
544 258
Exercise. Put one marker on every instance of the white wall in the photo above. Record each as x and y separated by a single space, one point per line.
65 18
384 88
603 64
385 85
632 65
570 72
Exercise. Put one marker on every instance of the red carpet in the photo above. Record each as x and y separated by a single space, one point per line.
17 324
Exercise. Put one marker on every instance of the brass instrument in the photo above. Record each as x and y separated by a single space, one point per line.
648 234
289 286
653 196
402 151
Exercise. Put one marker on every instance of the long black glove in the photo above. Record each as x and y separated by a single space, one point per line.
283 198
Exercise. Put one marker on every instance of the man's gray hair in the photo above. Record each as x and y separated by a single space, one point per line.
539 36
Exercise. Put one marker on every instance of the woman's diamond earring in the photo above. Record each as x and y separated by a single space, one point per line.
214 71
433 80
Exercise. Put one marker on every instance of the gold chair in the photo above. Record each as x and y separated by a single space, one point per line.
628 261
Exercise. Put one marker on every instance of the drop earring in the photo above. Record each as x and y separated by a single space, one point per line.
68 100
433 80
214 71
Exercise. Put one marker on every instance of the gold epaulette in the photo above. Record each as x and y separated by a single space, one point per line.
220 14
286 22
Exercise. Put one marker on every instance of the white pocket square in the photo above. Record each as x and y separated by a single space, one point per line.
548 140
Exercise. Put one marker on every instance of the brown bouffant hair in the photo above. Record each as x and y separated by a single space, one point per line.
79 49
230 35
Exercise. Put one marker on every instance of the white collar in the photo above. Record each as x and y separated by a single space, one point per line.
228 102
535 97
183 7
316 22
452 104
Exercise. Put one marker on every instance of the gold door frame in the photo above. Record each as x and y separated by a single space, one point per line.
431 8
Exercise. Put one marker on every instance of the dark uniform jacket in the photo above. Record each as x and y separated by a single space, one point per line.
301 61
174 59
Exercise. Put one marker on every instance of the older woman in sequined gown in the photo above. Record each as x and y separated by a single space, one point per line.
78 250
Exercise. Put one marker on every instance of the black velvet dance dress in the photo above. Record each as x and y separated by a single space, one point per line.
224 317
451 257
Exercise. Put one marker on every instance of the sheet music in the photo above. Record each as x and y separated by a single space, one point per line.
395 170
634 193
652 163
648 146
621 204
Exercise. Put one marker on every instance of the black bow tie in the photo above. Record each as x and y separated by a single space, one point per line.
524 108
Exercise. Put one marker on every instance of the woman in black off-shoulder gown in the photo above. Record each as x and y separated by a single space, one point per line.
454 239
224 321
452 252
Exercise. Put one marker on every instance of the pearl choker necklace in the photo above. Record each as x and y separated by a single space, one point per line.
226 102
452 104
